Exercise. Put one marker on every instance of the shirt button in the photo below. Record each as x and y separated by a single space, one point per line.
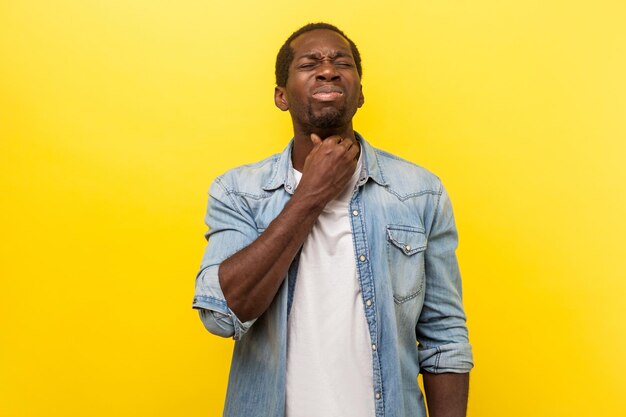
373 347
355 212
362 258
407 248
368 303
377 395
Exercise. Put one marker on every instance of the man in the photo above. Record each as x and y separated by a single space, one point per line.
330 262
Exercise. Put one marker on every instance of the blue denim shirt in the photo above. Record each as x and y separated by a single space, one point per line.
404 239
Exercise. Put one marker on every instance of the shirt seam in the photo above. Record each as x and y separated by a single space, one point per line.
216 300
226 191
436 213
407 196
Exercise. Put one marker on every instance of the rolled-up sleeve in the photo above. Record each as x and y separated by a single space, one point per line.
441 329
231 228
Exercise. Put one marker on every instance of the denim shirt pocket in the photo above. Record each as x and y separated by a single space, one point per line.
405 254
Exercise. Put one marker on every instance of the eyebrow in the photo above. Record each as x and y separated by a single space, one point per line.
318 55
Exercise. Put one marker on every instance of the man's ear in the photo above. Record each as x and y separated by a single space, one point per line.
361 97
280 98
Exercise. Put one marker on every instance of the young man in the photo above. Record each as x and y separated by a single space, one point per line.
333 264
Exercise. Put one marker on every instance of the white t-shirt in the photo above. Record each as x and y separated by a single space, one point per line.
329 358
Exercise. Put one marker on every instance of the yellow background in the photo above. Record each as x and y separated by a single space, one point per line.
116 115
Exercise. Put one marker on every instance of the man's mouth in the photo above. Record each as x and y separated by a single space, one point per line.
327 93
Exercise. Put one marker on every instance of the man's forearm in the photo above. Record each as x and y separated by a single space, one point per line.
446 394
250 278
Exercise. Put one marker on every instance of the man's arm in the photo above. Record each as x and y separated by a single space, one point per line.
446 394
251 277
444 350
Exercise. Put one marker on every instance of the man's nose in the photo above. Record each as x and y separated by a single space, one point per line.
327 72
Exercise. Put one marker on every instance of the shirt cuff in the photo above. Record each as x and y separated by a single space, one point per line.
215 314
451 357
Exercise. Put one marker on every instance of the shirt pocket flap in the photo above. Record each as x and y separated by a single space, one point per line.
409 239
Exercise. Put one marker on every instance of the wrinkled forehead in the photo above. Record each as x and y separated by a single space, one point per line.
321 42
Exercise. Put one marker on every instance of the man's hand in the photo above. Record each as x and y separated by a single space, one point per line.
328 168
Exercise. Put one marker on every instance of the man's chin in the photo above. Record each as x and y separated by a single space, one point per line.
327 120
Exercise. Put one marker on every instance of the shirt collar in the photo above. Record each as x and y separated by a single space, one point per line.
282 171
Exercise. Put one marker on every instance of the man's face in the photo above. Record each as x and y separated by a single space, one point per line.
323 90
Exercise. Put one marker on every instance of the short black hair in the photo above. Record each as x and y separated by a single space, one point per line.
285 54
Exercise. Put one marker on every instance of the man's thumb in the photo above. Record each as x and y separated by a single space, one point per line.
315 139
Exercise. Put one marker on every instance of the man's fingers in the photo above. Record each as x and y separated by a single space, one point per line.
353 150
347 143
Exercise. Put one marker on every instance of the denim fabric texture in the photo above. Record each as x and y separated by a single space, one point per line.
405 240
